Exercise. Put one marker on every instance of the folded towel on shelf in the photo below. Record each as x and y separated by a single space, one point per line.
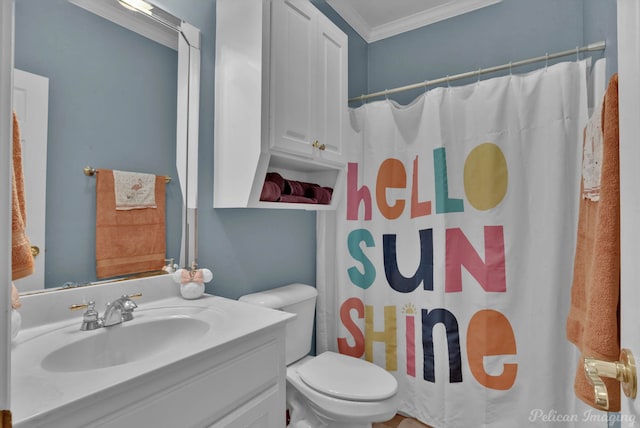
128 241
593 324
134 190
270 192
279 189
22 263
321 194
295 199
293 188
276 178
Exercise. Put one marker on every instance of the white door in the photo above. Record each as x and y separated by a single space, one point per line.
629 103
31 104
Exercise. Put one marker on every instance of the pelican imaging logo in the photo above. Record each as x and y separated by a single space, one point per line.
552 416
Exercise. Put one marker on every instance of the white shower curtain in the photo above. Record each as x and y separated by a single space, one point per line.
449 258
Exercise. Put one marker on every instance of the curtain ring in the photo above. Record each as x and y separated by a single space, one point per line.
546 60
478 74
510 68
386 94
577 53
424 85
448 82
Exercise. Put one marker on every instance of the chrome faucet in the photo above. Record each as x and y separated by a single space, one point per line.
116 312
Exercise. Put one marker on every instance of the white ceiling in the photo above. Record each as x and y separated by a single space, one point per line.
378 19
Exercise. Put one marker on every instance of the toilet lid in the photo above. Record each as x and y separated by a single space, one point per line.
347 378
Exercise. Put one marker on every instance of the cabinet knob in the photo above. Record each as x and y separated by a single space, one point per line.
319 146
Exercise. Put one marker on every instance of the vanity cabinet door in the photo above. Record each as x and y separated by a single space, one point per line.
309 70
260 412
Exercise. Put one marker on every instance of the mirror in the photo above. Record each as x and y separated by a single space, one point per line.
123 94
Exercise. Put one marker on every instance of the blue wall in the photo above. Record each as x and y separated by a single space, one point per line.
508 31
250 249
253 249
112 104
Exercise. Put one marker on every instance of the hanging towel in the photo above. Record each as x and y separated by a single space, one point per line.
128 241
592 156
593 323
21 258
134 190
15 297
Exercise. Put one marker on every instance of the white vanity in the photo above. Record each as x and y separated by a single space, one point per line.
210 362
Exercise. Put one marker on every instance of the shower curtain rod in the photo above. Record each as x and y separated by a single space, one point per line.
592 47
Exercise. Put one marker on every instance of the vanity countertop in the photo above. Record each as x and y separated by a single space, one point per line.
37 389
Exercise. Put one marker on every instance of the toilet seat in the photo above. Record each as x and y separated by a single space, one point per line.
347 378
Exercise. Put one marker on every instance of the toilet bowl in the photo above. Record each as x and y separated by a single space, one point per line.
329 390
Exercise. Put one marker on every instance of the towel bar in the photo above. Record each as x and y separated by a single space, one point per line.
91 171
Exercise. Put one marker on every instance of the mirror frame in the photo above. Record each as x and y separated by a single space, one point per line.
187 43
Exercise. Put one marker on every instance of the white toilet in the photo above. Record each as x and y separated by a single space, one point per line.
329 390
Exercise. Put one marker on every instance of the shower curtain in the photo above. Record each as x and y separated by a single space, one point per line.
449 259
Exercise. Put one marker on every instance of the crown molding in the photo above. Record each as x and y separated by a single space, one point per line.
429 16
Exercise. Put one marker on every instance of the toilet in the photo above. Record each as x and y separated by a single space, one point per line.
331 389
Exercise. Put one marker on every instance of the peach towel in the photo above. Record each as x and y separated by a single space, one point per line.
593 323
21 259
129 241
15 297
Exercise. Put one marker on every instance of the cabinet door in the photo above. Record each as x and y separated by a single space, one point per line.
262 411
331 96
293 68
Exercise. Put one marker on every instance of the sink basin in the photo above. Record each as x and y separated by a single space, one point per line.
125 343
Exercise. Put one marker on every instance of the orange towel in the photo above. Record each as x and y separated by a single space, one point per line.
593 323
130 241
21 259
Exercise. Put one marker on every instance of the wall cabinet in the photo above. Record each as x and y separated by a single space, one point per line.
281 99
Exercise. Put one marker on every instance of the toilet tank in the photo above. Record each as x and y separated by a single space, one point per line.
298 299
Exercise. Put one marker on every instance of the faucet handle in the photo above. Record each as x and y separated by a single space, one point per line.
132 296
91 318
77 306
128 306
